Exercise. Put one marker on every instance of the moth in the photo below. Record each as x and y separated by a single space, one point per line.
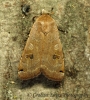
43 51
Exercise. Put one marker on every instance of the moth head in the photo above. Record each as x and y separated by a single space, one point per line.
45 27
45 23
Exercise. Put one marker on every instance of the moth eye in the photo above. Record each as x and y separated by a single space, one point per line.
56 56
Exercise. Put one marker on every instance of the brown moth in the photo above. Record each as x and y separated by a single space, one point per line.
43 51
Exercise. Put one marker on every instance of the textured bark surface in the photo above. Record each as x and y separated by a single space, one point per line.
73 21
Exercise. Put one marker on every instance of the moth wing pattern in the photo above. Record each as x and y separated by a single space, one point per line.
43 51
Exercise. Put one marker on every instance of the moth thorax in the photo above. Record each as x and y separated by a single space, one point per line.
45 28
